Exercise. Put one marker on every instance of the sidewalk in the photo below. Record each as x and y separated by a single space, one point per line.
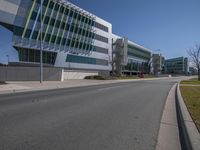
15 87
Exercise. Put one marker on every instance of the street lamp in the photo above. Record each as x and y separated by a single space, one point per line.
8 58
41 44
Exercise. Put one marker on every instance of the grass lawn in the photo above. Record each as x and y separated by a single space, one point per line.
191 96
191 81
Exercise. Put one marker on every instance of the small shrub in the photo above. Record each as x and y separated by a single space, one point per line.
97 77
2 82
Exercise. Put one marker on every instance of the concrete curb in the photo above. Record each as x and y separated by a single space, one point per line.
188 130
168 136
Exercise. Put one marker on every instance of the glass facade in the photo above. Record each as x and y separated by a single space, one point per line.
63 26
85 60
135 65
80 59
101 27
139 53
33 56
177 65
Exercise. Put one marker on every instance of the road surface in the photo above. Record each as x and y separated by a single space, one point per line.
120 116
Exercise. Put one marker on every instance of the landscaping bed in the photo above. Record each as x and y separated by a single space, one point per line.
97 77
191 96
124 77
2 82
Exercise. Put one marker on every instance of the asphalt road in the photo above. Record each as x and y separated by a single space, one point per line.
121 116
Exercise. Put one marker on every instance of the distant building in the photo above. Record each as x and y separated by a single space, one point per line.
178 65
130 58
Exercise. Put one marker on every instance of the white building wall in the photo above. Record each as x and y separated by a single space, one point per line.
8 10
61 62
80 74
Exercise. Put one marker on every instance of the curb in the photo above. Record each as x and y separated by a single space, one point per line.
190 137
168 135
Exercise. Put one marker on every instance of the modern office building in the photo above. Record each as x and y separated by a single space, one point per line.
72 38
178 65
129 57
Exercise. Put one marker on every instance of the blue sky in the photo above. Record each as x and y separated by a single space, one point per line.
173 26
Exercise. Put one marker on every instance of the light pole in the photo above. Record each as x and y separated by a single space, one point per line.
41 44
8 58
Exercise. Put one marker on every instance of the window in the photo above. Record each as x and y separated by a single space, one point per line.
35 33
80 59
61 9
57 24
29 55
66 11
101 38
75 15
80 45
46 20
47 38
52 22
68 42
51 4
56 7
28 33
100 26
77 43
67 27
58 40
33 16
79 17
45 2
53 39
62 25
71 13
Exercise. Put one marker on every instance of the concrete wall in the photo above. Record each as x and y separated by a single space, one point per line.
29 74
69 74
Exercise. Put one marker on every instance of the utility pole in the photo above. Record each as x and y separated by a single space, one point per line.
41 44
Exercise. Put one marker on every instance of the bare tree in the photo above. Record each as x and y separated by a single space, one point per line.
194 54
